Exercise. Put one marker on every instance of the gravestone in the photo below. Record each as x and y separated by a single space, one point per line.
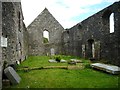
52 51
105 67
75 60
12 75
52 61
63 61
72 63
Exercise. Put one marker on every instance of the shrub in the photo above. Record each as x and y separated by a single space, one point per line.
87 66
58 58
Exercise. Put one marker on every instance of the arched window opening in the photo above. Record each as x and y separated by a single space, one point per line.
112 23
45 36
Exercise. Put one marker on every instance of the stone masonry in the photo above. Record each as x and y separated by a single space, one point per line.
45 22
0 46
92 39
13 35
14 30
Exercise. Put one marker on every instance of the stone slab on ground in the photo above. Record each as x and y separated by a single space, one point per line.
105 67
63 61
12 75
52 61
75 60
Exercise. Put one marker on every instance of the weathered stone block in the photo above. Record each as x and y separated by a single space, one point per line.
52 61
12 75
75 60
52 51
108 68
63 61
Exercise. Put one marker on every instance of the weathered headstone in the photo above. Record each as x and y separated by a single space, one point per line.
52 51
12 75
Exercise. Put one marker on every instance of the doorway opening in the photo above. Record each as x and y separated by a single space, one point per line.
91 48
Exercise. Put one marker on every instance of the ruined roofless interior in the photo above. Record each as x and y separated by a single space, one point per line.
91 38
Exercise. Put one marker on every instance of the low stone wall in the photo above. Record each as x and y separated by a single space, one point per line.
0 77
0 46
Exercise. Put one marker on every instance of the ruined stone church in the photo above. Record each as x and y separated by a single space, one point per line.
91 38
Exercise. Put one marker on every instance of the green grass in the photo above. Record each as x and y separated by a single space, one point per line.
62 78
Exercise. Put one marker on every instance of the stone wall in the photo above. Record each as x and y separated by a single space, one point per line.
44 22
0 46
13 35
25 42
13 29
71 42
92 39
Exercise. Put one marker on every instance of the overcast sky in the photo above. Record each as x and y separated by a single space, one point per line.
67 12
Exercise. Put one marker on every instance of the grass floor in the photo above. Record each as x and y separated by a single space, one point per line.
63 78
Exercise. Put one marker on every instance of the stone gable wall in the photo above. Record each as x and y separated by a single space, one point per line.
45 21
